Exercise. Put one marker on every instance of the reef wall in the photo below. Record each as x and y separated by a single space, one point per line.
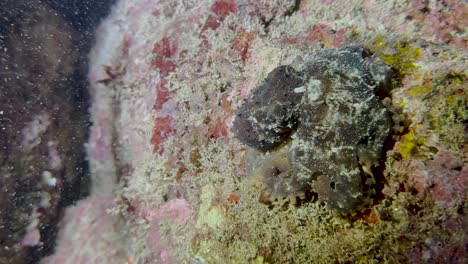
167 80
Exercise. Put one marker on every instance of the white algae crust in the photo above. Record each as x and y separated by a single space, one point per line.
167 79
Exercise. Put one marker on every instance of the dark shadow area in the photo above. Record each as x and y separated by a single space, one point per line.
44 119
83 15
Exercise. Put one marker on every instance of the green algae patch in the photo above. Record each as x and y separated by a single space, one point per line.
404 58
419 90
446 119
409 142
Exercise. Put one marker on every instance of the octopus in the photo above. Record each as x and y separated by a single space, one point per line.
319 125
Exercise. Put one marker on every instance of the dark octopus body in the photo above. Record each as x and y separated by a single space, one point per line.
320 125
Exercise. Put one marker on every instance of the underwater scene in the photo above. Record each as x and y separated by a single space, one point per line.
233 131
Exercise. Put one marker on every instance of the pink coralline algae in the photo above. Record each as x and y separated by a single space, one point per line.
442 21
444 180
165 61
89 228
165 51
166 56
220 9
326 35
163 128
161 242
242 44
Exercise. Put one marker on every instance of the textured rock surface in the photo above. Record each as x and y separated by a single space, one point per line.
167 78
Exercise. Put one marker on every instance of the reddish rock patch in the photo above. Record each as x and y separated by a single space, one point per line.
162 128
242 44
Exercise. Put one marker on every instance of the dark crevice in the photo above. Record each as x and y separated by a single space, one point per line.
266 23
378 171
82 15
293 9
